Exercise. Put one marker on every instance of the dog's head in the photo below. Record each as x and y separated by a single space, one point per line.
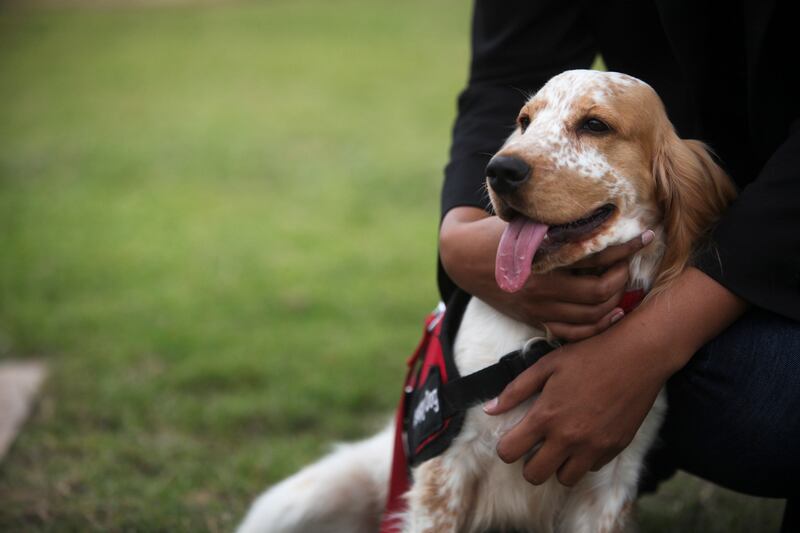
593 162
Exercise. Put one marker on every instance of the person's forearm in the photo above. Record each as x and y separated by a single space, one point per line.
468 242
679 321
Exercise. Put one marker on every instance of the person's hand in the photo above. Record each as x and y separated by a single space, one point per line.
594 394
575 306
571 306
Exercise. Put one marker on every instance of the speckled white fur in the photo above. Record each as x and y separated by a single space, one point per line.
549 131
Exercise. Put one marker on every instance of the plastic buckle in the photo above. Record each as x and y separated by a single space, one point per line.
438 313
537 347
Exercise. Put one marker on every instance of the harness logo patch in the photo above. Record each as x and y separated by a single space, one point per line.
429 402
424 412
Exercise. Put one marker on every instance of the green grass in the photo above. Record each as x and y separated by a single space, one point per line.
218 227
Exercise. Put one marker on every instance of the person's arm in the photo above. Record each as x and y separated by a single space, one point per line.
594 394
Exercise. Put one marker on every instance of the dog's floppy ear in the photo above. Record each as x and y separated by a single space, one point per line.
692 191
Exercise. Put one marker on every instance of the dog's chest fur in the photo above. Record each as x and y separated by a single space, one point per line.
502 492
498 494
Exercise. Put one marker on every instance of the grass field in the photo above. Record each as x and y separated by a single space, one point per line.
218 227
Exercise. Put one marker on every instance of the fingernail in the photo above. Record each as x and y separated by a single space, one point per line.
648 236
490 405
619 313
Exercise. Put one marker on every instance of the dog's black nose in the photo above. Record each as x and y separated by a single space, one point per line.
506 174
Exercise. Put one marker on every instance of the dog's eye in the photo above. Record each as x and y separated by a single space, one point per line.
595 126
524 122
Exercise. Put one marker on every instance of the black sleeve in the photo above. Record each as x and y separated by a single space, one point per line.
756 252
517 45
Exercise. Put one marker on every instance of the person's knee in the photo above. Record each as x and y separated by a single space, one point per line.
753 452
732 415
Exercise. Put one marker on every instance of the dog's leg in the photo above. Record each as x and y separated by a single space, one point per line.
345 491
602 501
440 499
597 505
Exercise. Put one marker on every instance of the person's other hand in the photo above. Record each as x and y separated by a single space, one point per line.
572 306
593 397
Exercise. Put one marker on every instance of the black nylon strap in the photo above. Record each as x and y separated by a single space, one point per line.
462 393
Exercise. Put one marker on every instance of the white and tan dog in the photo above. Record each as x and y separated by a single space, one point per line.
594 162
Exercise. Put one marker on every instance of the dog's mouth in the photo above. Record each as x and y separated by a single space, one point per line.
523 237
577 230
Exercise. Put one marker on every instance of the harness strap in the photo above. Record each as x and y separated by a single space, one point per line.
464 392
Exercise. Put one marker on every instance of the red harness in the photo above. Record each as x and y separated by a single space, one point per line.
430 350
631 299
429 368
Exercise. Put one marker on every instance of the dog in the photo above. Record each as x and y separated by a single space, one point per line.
593 162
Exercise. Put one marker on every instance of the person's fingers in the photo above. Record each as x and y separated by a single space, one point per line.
553 285
577 332
579 314
544 463
612 254
521 439
594 290
574 469
604 460
523 387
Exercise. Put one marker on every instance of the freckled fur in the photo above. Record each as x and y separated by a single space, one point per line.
655 180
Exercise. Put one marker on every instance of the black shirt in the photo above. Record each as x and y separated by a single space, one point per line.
728 72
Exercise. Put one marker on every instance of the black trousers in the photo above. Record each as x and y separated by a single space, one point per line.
734 414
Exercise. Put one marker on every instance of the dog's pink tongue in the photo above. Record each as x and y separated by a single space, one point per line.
518 245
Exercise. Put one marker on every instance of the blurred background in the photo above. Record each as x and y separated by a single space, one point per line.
218 230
